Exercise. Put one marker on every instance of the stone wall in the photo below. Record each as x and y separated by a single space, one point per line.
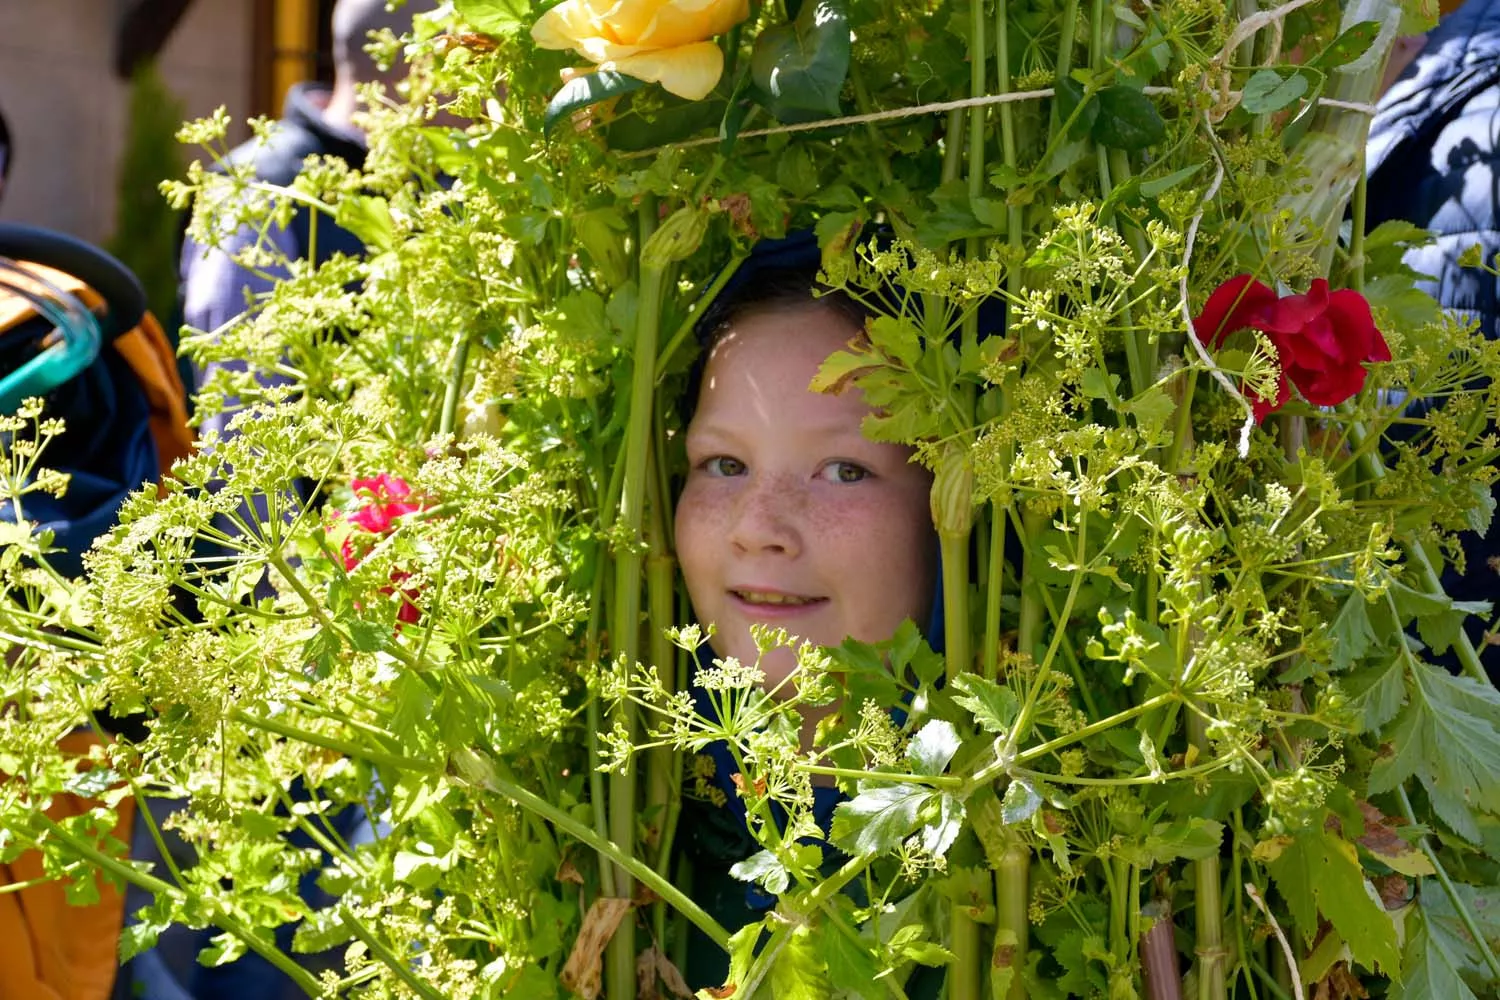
66 108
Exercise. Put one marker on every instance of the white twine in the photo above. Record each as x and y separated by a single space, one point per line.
1187 312
939 107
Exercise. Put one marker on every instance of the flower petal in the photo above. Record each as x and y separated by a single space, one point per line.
1350 312
689 71
1234 305
684 21
565 25
1293 313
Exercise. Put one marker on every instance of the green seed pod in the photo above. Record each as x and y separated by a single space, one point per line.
676 238
602 233
953 493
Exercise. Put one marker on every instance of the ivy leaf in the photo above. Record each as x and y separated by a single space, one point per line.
1127 119
993 706
1448 736
1319 872
765 869
799 972
933 747
799 68
585 91
879 818
495 17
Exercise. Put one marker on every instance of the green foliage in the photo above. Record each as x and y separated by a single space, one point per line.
1195 666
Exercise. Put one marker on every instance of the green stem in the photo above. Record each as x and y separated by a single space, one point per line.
455 390
695 313
964 972
623 859
343 747
1012 903
994 592
955 557
625 625
1207 902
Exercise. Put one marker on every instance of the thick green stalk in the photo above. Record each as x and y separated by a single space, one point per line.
625 623
1012 903
1208 903
454 392
663 764
559 818
963 933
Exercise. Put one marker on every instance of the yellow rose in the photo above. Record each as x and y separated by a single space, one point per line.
659 41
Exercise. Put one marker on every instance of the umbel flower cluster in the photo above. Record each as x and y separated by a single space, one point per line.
1185 724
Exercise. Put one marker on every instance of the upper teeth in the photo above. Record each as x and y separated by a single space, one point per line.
761 597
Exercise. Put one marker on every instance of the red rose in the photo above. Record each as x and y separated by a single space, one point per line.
1322 339
390 498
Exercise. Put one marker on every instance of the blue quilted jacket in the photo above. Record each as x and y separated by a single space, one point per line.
1432 158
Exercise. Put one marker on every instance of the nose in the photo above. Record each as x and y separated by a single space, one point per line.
767 518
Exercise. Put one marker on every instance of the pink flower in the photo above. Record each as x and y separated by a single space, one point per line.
1323 339
390 497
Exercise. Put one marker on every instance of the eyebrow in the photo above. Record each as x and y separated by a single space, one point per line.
824 429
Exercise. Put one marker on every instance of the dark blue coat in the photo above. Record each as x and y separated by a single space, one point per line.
1432 161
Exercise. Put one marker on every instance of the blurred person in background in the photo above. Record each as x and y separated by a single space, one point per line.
316 119
1433 159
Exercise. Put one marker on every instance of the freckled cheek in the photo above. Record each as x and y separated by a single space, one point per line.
700 519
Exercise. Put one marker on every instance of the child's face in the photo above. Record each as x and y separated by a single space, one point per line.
790 516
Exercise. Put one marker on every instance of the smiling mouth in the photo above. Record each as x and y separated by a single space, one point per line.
766 598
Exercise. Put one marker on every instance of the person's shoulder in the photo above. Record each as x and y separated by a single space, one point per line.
277 159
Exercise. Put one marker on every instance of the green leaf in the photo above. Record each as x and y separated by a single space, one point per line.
851 966
764 869
1433 958
879 818
1269 91
896 337
1160 185
1127 119
368 637
585 91
420 871
799 971
1351 633
495 17
933 747
994 707
1319 873
1448 737
799 68
1378 692
1070 93
1351 44
368 218
1020 803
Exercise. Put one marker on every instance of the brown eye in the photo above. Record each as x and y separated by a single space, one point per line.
845 473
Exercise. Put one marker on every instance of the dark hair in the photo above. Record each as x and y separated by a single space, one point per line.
768 290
